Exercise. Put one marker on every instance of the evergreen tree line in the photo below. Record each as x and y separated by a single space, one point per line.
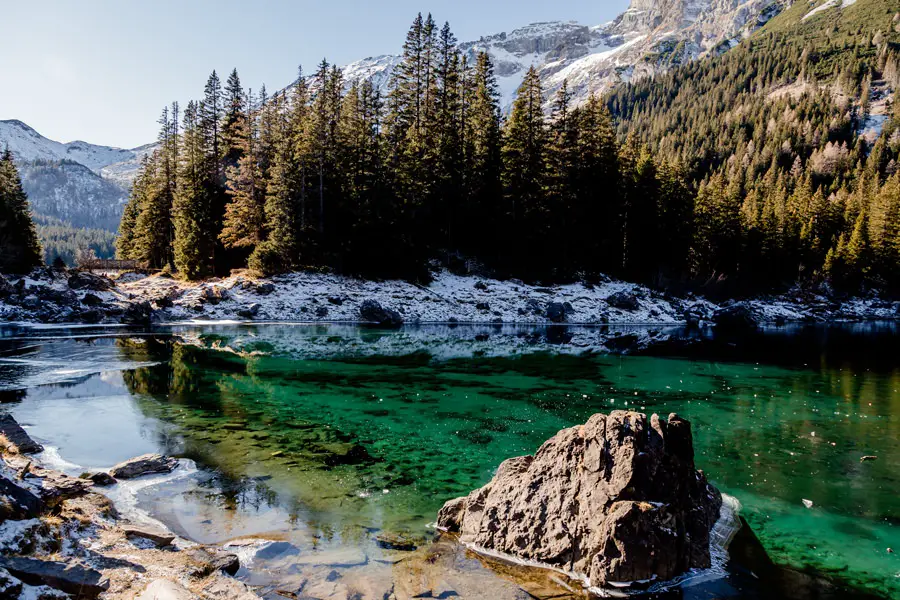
20 250
332 174
772 137
61 241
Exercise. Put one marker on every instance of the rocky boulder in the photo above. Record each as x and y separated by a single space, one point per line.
161 589
17 503
617 499
158 537
558 312
373 312
143 465
82 582
14 438
82 280
10 587
138 313
623 301
738 316
6 289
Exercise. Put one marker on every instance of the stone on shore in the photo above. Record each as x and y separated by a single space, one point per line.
737 317
82 582
10 587
15 439
147 464
160 538
162 589
206 561
373 312
222 587
623 301
617 499
16 502
50 486
82 280
100 478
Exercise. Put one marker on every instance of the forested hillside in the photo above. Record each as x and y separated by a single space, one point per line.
772 164
791 143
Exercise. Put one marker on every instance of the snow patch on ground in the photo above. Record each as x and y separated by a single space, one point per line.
315 298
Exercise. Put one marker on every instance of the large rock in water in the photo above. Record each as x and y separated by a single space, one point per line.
617 499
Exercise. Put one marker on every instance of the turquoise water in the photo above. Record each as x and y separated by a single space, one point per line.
352 442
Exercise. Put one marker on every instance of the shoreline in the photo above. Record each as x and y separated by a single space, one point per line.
48 297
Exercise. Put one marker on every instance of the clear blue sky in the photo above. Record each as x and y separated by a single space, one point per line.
101 70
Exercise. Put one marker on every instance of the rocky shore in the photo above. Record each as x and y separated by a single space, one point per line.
61 537
51 296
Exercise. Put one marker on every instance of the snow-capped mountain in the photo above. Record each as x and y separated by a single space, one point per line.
27 145
648 38
82 184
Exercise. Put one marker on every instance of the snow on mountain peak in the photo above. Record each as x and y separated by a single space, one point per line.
648 38
27 144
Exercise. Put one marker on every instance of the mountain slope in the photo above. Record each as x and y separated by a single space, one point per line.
27 144
648 38
72 193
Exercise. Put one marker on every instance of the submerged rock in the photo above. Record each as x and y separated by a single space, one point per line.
617 499
143 465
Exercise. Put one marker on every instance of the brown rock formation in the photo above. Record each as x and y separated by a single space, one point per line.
616 499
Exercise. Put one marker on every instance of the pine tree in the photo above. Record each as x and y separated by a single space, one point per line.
597 220
151 241
210 113
524 170
125 239
20 250
483 209
280 250
562 176
194 242
447 141
244 219
234 120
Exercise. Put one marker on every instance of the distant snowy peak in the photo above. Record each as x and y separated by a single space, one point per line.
648 38
28 145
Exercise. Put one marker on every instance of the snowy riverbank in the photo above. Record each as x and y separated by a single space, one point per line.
59 297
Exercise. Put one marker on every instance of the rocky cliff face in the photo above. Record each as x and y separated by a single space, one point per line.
615 500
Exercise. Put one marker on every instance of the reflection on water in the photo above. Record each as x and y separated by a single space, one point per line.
330 436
